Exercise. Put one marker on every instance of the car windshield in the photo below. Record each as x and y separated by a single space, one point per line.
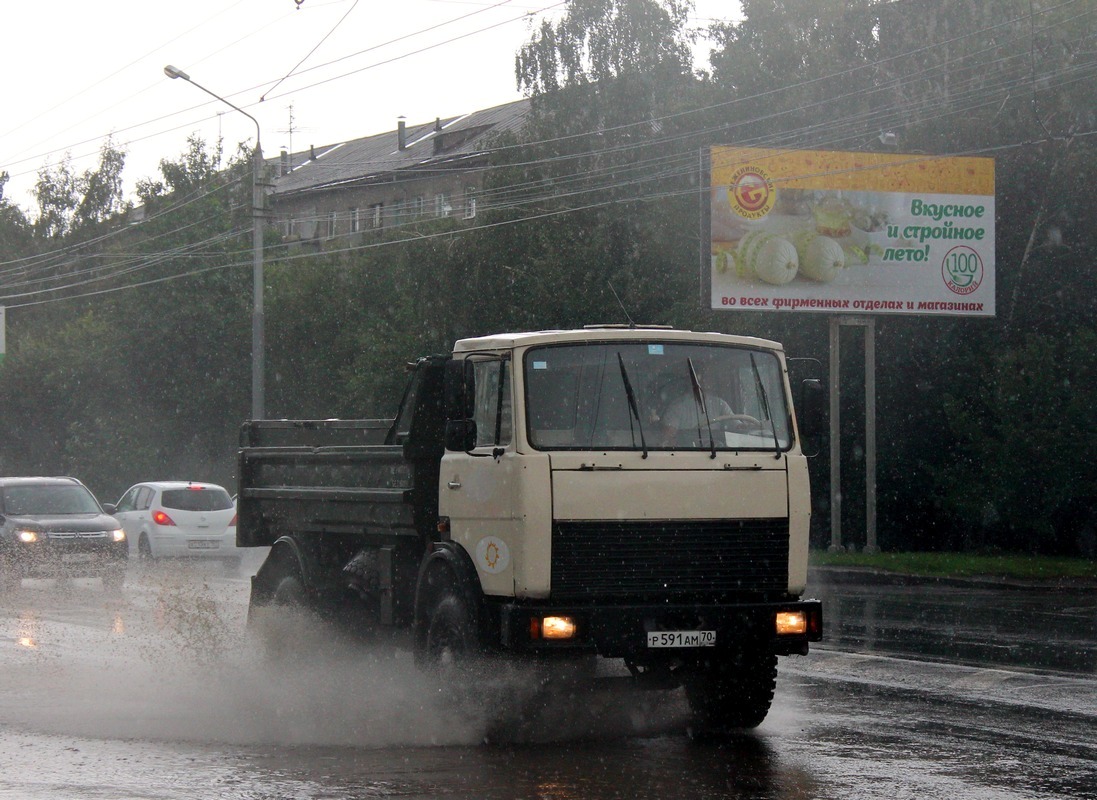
656 395
196 498
50 499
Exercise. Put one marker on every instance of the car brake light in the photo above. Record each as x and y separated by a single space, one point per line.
160 518
233 523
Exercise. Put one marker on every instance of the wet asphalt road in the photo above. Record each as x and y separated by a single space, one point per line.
158 693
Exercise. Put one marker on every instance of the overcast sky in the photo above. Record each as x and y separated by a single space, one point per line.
78 71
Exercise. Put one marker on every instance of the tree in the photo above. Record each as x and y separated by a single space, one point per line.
71 203
15 233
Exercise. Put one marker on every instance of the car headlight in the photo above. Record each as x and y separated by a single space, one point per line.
118 535
27 536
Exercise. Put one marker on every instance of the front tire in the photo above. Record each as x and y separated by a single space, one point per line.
731 693
450 641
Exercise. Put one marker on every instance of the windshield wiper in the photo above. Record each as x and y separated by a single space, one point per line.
699 396
633 407
765 406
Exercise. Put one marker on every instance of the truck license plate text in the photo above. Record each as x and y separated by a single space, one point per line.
681 638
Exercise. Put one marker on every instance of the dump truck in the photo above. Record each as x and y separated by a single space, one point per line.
630 493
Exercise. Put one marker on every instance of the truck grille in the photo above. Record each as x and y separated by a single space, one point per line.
606 560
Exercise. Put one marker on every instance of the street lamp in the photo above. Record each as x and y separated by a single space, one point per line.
257 322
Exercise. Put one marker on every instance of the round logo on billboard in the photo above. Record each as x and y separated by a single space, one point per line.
751 194
962 270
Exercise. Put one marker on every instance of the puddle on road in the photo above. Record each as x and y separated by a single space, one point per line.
171 660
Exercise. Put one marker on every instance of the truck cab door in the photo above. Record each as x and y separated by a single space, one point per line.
476 477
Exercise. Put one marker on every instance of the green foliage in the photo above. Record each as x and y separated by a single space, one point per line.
15 231
1027 411
76 204
603 40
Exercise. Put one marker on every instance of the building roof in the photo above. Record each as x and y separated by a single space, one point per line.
437 144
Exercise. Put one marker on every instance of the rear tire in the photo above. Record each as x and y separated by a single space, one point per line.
144 548
731 693
278 608
290 592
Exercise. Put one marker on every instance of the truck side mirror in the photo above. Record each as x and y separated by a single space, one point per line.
811 407
460 435
459 389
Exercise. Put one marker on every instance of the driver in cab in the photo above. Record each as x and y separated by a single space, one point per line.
683 420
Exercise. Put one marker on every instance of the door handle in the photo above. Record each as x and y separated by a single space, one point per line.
454 484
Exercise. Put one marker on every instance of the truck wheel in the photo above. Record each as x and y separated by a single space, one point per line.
290 592
450 642
732 693
277 609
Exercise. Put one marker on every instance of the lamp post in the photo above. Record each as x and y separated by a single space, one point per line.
257 320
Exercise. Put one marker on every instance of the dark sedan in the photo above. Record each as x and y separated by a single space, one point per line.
54 527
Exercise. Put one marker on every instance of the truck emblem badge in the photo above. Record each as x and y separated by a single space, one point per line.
492 554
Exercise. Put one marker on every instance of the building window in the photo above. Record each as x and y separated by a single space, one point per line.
333 217
470 202
418 205
441 205
376 216
355 220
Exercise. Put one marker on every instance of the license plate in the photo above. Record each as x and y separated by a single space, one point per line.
681 638
203 544
77 558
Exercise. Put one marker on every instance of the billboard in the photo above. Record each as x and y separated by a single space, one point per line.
849 232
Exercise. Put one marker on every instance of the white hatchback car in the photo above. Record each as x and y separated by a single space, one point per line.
179 519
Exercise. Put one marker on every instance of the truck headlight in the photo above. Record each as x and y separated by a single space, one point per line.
27 536
790 623
118 535
558 628
552 627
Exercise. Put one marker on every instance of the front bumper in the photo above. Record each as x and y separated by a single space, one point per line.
51 557
621 631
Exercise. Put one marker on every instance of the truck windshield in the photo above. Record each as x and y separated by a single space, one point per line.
686 396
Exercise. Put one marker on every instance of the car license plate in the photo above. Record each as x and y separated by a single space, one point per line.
681 638
77 558
203 544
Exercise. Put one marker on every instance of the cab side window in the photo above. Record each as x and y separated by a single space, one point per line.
492 407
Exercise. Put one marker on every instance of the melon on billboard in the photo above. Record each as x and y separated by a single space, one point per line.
850 233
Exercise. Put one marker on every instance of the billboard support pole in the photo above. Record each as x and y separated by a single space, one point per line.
869 325
835 443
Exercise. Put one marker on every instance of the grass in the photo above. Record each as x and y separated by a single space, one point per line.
964 565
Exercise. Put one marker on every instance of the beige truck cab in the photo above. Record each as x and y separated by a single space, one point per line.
642 489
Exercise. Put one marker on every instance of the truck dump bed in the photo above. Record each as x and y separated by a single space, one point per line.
323 477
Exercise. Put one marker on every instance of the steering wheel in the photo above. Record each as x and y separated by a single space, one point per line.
740 421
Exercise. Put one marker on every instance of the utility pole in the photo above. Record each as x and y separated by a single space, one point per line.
258 322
